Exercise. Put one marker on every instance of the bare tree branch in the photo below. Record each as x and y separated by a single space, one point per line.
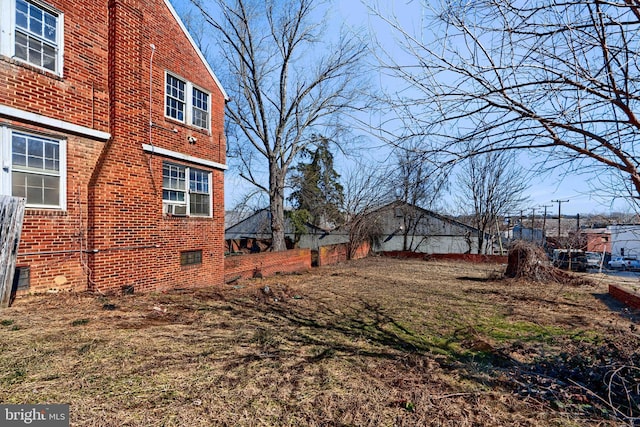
559 79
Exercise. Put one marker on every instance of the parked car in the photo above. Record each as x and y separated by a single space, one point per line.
594 259
574 260
624 263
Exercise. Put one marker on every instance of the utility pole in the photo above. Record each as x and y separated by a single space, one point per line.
521 224
544 221
559 202
533 224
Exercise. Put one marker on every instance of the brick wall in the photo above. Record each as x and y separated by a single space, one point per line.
599 242
625 296
113 233
333 254
136 245
52 240
266 263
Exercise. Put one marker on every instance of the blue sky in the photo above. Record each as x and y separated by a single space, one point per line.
543 189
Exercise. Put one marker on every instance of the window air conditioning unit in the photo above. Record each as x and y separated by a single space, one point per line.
174 210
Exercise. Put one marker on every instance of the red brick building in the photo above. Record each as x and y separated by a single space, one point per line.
111 126
598 240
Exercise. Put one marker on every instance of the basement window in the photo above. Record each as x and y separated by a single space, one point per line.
191 257
22 279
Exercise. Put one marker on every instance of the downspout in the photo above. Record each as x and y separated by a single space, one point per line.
153 181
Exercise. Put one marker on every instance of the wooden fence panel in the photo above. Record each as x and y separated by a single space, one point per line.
11 216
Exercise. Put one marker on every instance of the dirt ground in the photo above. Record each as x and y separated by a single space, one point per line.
374 342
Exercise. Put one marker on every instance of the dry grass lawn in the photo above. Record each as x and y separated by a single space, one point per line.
375 342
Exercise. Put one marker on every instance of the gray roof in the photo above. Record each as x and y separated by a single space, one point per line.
258 226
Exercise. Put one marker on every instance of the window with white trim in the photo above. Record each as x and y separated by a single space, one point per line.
186 191
33 167
32 31
186 103
176 97
200 105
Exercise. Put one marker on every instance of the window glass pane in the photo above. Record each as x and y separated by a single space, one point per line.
35 20
175 109
199 181
51 190
35 151
22 13
178 89
51 157
173 196
22 278
200 119
35 189
35 52
19 151
200 99
191 257
48 57
21 46
199 188
50 23
19 184
199 204
34 195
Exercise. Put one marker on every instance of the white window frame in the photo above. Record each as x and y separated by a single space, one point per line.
8 33
187 191
6 161
188 101
193 108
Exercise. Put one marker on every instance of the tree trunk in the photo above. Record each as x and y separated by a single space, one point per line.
480 240
405 240
276 201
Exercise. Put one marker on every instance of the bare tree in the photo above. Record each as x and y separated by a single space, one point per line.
284 84
365 190
561 79
490 186
417 183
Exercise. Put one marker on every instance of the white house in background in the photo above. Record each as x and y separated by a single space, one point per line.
625 240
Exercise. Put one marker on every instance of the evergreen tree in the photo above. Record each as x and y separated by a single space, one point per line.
316 186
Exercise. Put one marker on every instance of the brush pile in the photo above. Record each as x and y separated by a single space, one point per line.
529 262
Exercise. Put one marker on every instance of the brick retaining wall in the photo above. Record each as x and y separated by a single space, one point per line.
266 263
333 254
625 296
